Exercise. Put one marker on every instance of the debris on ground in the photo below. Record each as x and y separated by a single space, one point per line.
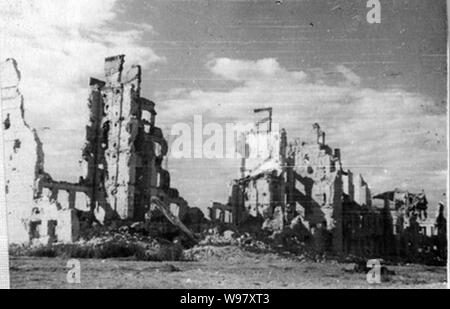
168 268
101 243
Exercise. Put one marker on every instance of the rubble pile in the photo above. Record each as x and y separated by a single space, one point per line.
123 180
235 246
293 198
103 243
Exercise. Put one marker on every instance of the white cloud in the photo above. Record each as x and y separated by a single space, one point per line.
243 70
349 74
59 44
392 137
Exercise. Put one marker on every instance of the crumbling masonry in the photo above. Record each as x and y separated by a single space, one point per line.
287 189
24 158
300 188
124 179
125 149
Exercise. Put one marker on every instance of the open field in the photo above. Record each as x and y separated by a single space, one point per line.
252 272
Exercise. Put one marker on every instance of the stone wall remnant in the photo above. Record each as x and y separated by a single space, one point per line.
122 160
24 157
125 149
300 188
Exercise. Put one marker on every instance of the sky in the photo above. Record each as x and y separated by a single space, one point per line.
378 90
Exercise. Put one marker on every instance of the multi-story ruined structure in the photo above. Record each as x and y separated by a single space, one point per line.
125 149
301 183
410 226
123 155
298 187
301 187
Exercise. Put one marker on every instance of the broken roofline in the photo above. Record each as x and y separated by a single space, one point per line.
125 149
391 194
121 138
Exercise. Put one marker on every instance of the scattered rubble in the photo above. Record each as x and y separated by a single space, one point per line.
168 268
293 199
103 243
123 155
300 191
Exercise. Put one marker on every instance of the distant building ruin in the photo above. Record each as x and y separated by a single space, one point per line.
122 158
301 188
285 187
411 229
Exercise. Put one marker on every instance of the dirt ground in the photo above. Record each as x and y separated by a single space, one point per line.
252 271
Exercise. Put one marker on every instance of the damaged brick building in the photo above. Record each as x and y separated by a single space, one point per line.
285 187
123 155
301 188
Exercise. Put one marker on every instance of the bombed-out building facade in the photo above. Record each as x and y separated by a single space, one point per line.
300 188
286 187
122 159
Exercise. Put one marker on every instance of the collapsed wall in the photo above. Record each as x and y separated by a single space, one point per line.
300 188
125 150
33 208
411 229
123 181
24 158
297 185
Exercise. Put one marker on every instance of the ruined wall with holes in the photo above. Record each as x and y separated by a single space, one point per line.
35 212
302 189
24 158
122 158
321 189
125 149
315 187
299 185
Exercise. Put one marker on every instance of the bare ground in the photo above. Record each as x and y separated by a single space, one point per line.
252 271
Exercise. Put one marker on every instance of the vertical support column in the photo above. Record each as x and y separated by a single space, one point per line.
128 158
113 95
94 150
72 197
122 102
338 232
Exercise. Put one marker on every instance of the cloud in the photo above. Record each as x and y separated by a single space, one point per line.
59 45
349 74
244 70
393 137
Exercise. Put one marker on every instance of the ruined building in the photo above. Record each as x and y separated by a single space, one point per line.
23 155
123 180
412 229
293 188
301 188
125 149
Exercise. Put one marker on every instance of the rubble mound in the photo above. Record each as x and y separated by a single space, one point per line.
235 247
104 243
225 246
228 253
